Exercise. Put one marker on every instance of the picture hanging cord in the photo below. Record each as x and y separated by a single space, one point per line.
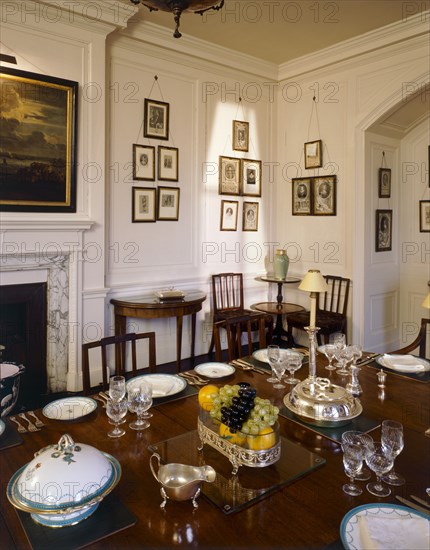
314 104
240 105
383 162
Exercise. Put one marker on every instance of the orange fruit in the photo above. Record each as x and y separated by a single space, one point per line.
237 438
265 439
206 396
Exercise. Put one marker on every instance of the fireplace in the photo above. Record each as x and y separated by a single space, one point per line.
23 333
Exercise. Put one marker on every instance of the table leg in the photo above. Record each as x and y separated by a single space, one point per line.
193 334
120 329
178 342
279 297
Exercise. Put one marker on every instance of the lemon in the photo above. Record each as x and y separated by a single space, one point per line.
207 395
265 439
237 438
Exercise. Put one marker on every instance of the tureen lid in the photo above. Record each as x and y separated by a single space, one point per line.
65 475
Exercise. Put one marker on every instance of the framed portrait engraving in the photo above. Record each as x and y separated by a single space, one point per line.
251 178
424 216
313 154
229 210
156 119
38 137
143 208
384 184
229 176
250 216
143 162
324 196
301 196
168 159
168 203
240 135
383 230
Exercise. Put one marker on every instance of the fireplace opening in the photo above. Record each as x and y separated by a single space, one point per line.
23 332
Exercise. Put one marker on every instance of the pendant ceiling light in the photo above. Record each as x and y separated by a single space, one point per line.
178 6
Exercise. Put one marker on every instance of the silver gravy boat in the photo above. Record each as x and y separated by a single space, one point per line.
180 481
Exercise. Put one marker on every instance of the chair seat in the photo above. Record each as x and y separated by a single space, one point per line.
328 322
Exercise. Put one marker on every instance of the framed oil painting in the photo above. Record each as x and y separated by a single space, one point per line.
143 162
168 203
383 230
301 196
384 183
229 176
143 208
324 196
250 216
313 154
424 216
156 119
229 210
168 159
240 135
251 178
38 137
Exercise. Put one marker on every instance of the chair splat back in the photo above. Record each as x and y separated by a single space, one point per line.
335 299
227 292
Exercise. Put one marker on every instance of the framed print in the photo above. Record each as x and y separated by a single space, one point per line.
229 211
301 196
384 186
168 203
168 159
156 119
424 216
250 216
229 176
143 162
240 135
383 230
251 178
313 154
38 137
143 207
324 196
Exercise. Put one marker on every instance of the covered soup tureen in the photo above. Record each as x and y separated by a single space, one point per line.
64 483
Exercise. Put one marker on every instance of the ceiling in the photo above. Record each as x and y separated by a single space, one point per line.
283 30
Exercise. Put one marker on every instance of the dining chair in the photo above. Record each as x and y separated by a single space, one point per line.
419 342
120 343
228 302
331 310
237 329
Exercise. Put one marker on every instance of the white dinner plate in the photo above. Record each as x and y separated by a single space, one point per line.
406 368
2 427
355 538
163 385
214 370
70 408
261 354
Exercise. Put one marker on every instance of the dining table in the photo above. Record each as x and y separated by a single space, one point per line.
296 503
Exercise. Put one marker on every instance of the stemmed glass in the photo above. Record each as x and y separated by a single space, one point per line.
380 461
352 462
365 441
357 352
139 401
117 391
344 356
116 411
329 351
294 362
273 356
392 437
278 368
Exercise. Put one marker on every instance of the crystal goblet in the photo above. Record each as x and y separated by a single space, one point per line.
116 411
293 363
329 351
139 401
117 388
380 461
392 437
273 356
366 443
352 463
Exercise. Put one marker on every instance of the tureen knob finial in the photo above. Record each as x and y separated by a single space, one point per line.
66 442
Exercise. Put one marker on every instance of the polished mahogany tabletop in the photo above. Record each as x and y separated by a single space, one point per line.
304 514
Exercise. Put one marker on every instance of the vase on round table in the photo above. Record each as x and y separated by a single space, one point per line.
280 264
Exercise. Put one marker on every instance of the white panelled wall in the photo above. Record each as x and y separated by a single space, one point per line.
207 87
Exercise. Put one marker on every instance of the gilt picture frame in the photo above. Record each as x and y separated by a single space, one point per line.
156 119
324 196
38 154
143 162
301 196
250 216
240 136
168 203
251 178
168 162
143 204
229 176
313 154
229 212
383 230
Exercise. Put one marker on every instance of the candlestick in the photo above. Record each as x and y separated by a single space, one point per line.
313 315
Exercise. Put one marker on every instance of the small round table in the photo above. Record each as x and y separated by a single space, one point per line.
279 308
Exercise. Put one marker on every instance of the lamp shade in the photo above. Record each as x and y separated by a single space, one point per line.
314 282
426 302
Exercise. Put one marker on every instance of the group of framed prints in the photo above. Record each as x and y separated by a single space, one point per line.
144 163
230 214
151 204
314 196
239 177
